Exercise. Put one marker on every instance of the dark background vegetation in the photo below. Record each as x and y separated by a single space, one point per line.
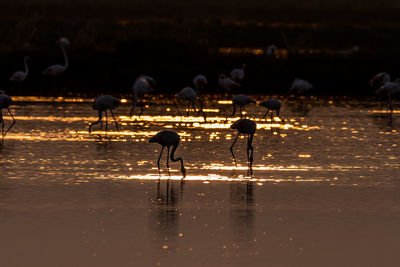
113 41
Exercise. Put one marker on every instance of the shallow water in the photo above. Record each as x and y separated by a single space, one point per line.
324 190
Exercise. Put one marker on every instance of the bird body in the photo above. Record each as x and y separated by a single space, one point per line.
102 104
379 79
58 68
238 74
5 103
187 93
300 86
20 76
227 83
240 100
272 105
270 51
168 139
249 127
200 81
143 85
390 89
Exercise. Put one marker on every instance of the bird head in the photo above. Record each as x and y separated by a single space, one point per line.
152 139
63 41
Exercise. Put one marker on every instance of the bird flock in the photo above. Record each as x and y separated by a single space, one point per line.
144 84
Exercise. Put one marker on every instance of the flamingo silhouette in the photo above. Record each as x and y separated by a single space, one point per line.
379 79
200 82
141 87
104 103
241 101
168 139
57 69
5 102
390 89
270 51
20 76
238 74
300 86
227 83
272 105
249 127
190 95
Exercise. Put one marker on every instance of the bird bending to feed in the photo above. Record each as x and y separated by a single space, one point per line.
379 79
143 85
190 95
249 127
272 105
238 74
168 139
227 83
241 101
102 103
300 86
5 102
20 76
58 68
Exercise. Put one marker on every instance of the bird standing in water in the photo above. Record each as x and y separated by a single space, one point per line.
272 105
168 139
19 76
390 89
249 127
241 101
238 74
5 102
227 83
190 95
379 79
143 85
104 103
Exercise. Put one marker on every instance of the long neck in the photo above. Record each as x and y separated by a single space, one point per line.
65 57
183 170
26 67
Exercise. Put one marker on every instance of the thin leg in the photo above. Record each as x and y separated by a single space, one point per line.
141 110
188 109
96 122
2 122
105 113
168 161
277 114
133 106
266 113
250 147
233 155
115 121
12 124
158 161
176 105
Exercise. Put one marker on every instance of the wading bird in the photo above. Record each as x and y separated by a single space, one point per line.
200 82
238 74
270 51
300 87
168 139
104 103
379 79
241 101
227 83
5 102
190 95
390 89
272 105
143 85
249 127
19 76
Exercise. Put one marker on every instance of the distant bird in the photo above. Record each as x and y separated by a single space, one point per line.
190 95
300 87
270 51
227 83
104 103
5 102
20 76
168 139
143 85
241 101
58 68
200 82
379 79
272 105
249 127
390 89
238 74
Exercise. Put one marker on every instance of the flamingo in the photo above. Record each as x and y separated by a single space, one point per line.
270 51
249 127
58 68
379 79
300 86
238 74
20 76
168 139
200 82
227 83
271 105
390 89
5 102
190 95
141 87
242 101
102 103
